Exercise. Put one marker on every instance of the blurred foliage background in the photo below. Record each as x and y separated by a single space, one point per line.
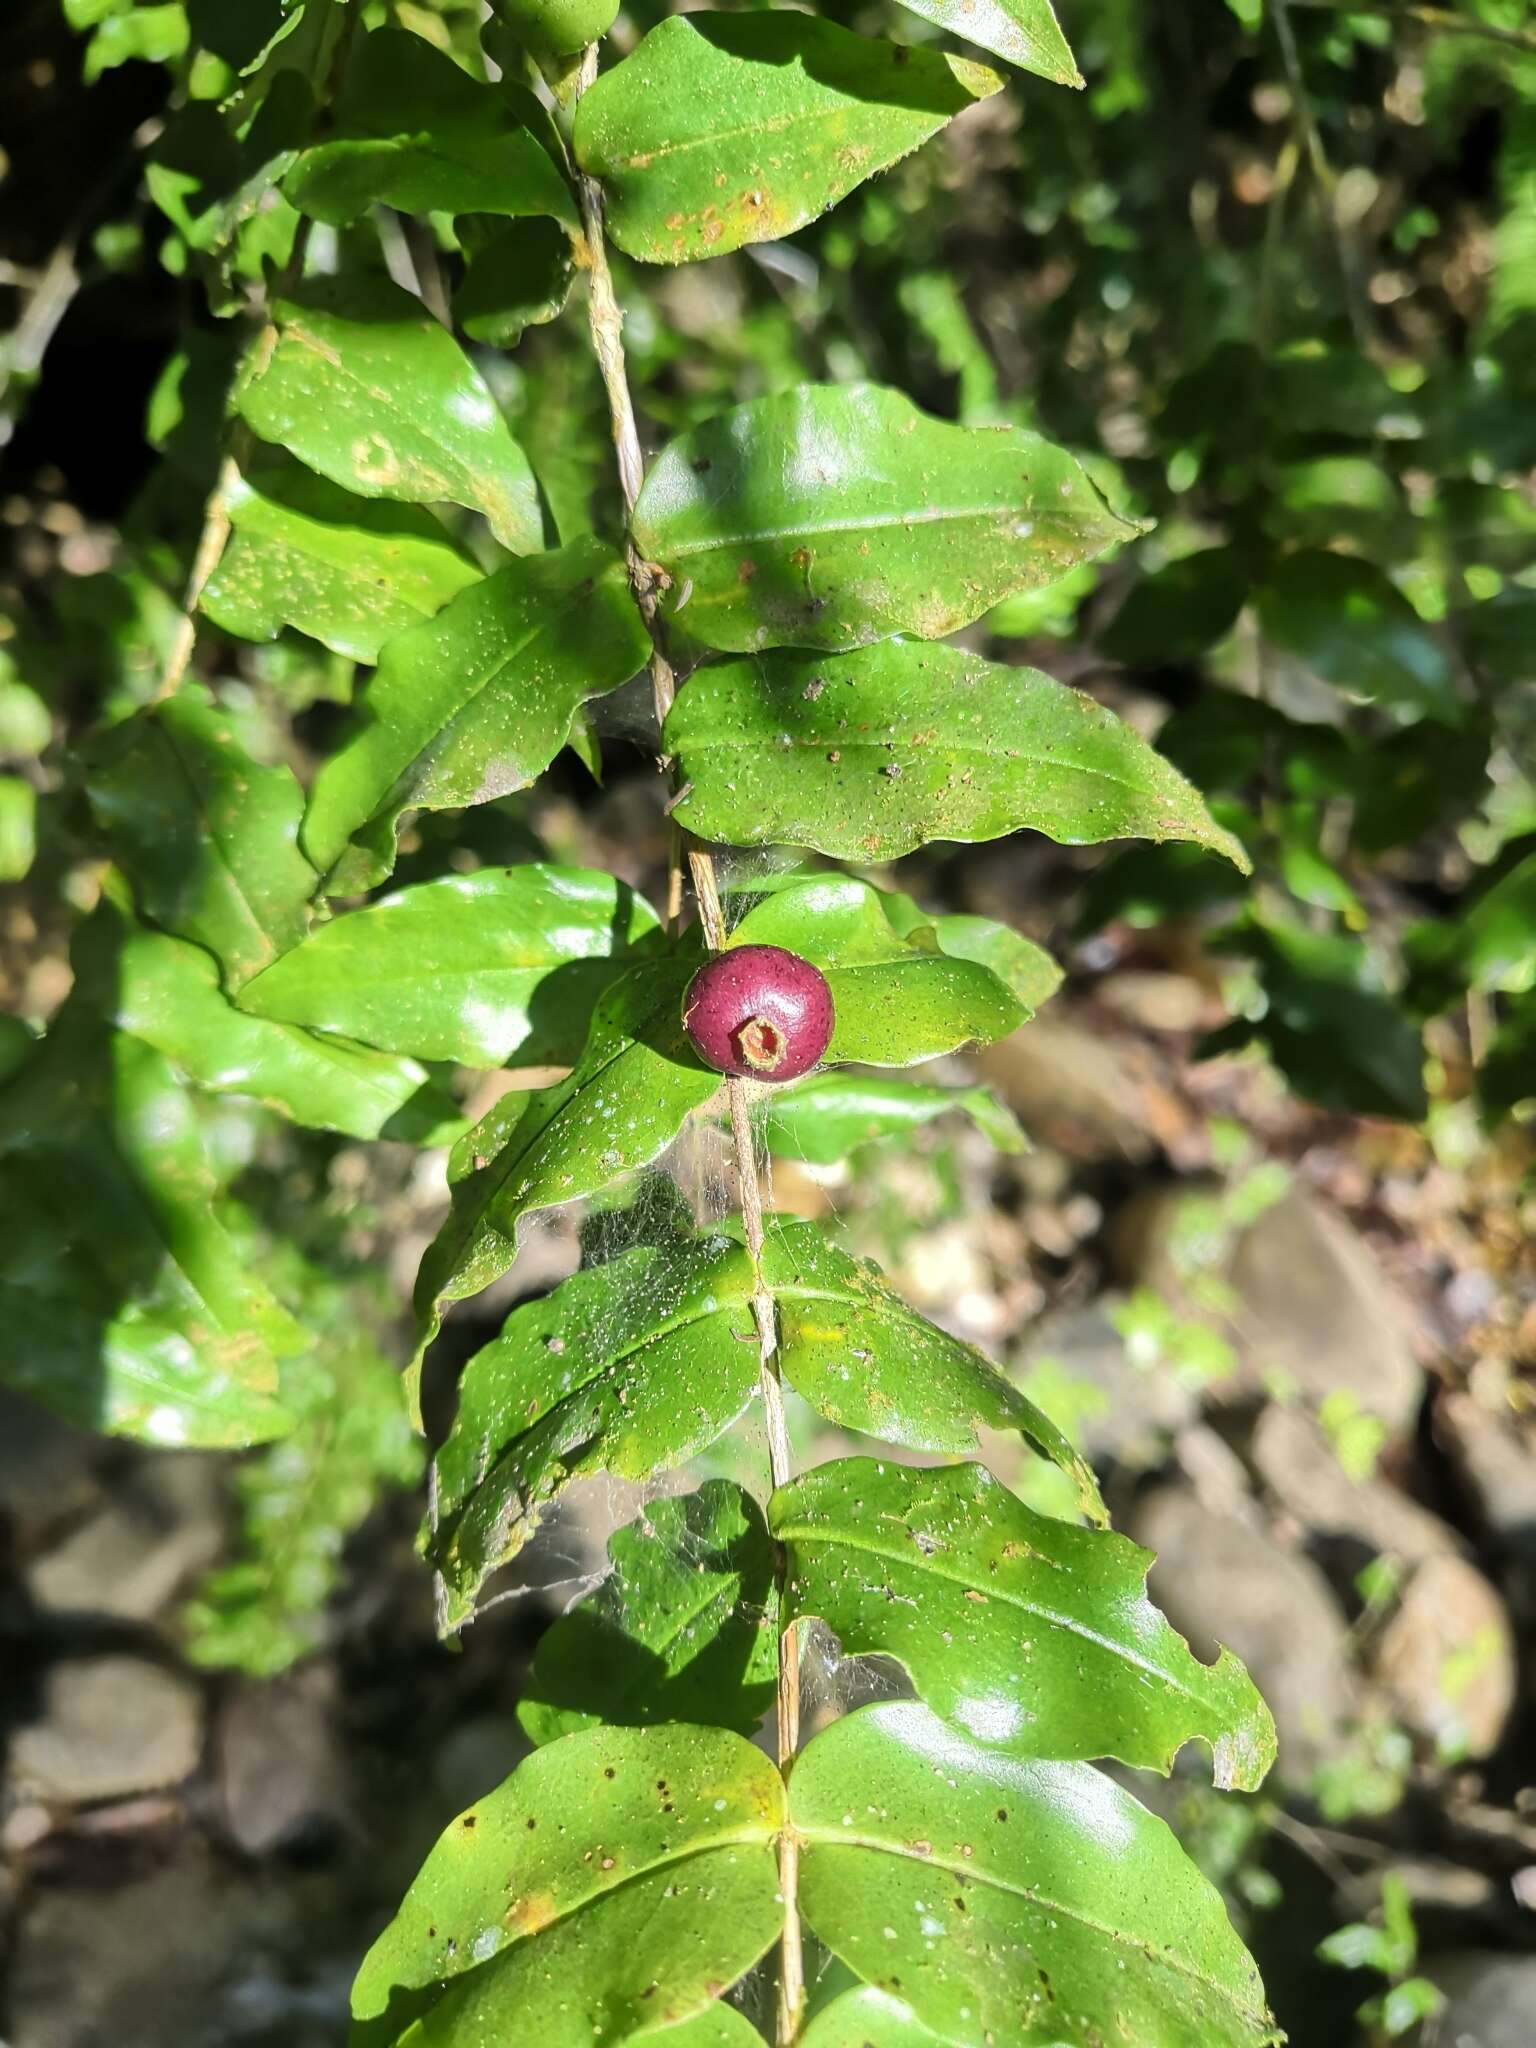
1272 276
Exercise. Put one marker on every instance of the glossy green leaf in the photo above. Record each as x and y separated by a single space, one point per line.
1019 964
623 1103
682 1629
126 1305
727 129
1348 621
364 386
207 836
18 827
167 993
863 1359
868 755
836 514
1022 32
484 968
415 132
1179 611
629 1367
1033 1635
632 1366
897 1001
866 2018
1331 1022
1490 946
1030 1903
351 572
519 278
826 1116
477 702
613 1886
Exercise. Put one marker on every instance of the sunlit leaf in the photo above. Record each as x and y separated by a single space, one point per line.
167 992
352 572
475 703
481 968
1022 32
897 1001
415 132
626 1099
726 129
1035 1636
636 1364
836 514
868 755
363 385
1032 1903
617 1883
824 1117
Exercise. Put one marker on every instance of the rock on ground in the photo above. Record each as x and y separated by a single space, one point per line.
108 1726
1221 1579
1492 2000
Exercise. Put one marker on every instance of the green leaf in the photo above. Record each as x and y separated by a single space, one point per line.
866 756
519 278
1349 623
477 702
896 1001
1022 32
351 572
1179 611
167 993
266 1608
18 827
1019 964
1489 946
863 2017
614 1885
727 129
1029 1903
415 132
1507 1076
863 1359
126 1306
364 386
836 514
632 1366
626 1099
481 969
1033 1635
629 1367
682 1629
826 1116
1332 1025
207 836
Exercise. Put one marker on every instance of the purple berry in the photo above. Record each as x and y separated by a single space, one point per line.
759 1012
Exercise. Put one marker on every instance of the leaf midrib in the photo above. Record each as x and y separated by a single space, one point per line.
925 515
991 1591
971 1874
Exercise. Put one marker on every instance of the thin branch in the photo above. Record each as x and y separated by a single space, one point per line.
607 324
1323 172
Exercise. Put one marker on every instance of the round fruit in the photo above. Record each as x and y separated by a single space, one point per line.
760 1013
558 28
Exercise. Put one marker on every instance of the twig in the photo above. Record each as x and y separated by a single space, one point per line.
1322 171
214 536
607 322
